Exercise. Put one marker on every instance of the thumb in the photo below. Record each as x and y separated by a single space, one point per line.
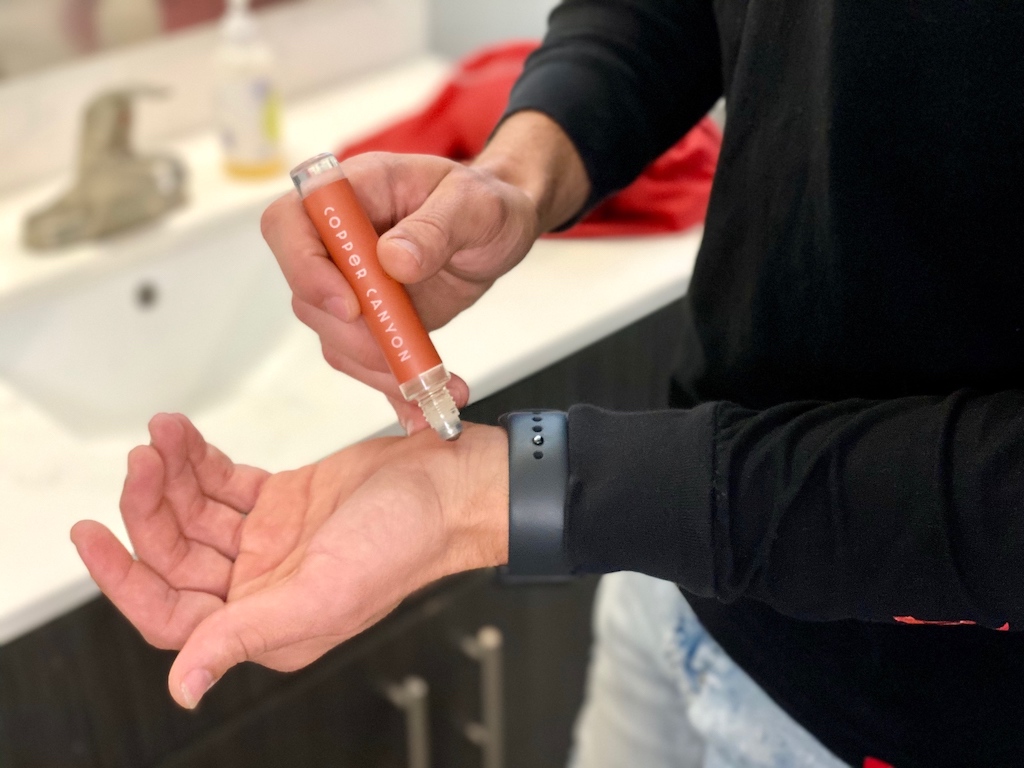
462 212
274 623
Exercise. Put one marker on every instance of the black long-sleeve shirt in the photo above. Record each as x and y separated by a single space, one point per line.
853 460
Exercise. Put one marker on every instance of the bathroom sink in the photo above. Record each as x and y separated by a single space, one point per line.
165 323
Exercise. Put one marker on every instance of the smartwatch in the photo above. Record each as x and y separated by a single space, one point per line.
538 474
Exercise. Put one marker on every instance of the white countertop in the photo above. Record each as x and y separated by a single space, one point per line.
294 409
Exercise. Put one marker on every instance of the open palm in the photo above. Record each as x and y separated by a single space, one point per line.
235 563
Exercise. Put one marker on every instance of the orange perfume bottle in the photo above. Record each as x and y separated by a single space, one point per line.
351 241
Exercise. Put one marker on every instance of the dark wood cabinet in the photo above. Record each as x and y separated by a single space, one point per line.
337 714
85 691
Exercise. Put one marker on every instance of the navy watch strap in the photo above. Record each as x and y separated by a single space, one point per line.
538 473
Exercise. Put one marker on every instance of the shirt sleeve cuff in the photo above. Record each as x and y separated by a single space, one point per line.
640 495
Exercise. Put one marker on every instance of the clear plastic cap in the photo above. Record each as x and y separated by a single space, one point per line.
316 172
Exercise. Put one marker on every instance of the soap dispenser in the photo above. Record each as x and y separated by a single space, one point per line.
247 106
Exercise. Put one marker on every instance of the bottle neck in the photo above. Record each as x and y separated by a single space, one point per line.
238 25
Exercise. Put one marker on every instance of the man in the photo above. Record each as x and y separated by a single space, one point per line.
845 474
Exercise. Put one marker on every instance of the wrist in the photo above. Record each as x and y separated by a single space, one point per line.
477 523
531 152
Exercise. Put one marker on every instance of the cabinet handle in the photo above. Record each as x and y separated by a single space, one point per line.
410 696
486 647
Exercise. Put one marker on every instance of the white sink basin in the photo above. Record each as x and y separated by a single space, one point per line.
173 328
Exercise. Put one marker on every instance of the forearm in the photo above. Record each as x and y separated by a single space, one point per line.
856 509
532 152
625 79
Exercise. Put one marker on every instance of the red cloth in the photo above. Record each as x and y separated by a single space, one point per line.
671 194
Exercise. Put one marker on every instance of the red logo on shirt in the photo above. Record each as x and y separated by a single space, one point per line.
912 620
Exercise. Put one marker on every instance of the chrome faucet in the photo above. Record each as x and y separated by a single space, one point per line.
115 189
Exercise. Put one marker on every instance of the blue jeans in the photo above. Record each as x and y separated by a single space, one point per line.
662 693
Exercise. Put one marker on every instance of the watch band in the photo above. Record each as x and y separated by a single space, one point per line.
538 473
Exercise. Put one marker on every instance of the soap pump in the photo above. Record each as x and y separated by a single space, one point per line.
247 104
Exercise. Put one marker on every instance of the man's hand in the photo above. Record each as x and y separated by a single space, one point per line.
236 564
449 231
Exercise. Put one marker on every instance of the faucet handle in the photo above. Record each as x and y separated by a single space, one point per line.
106 127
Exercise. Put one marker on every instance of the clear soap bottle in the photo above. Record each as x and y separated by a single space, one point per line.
247 106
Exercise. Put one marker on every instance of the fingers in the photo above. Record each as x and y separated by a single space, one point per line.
166 617
307 268
440 206
156 535
170 506
208 494
463 211
436 208
428 208
236 485
349 348
391 186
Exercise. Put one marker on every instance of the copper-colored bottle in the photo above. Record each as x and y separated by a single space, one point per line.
351 241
